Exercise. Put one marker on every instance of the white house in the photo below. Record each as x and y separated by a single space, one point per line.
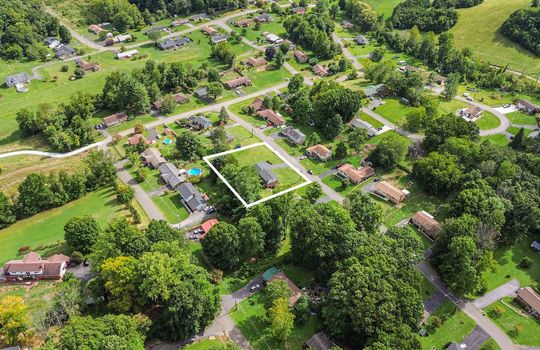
126 54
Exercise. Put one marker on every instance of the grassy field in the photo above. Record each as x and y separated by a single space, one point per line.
47 227
508 259
202 345
510 318
274 27
456 326
171 207
250 317
383 7
367 118
497 139
488 121
394 111
514 130
478 29
35 298
521 118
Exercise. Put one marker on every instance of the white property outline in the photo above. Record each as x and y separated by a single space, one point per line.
212 156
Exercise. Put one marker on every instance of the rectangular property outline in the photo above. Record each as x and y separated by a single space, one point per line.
307 181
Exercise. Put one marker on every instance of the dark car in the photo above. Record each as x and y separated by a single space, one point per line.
377 179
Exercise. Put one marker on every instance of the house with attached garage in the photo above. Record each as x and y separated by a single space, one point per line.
64 51
216 39
471 114
179 22
264 18
236 83
33 267
355 176
209 31
52 42
87 66
173 44
200 122
151 157
320 70
294 136
273 39
126 54
192 199
269 179
257 104
254 62
271 117
359 123
361 40
19 81
319 152
94 28
300 56
528 107
389 192
243 23
530 300
426 223
170 175
115 119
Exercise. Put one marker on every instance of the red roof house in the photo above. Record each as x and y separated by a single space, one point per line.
271 117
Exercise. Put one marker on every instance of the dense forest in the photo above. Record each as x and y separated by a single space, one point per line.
162 9
23 26
523 27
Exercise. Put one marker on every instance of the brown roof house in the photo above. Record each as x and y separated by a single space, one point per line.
115 119
254 62
94 28
257 104
355 175
33 267
244 23
209 31
320 341
319 152
300 56
151 157
320 70
389 192
236 83
471 114
528 107
88 66
530 300
178 98
272 117
426 223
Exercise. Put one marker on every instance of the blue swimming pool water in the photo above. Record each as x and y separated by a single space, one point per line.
194 172
167 141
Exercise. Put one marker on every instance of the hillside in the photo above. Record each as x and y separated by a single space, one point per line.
478 29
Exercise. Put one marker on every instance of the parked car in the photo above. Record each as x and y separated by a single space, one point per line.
254 288
377 179
310 172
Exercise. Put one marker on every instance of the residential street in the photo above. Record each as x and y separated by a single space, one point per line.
347 53
498 293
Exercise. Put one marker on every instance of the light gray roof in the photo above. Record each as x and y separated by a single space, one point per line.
219 38
358 123
152 134
360 39
64 50
170 174
50 39
199 16
191 196
294 135
263 168
535 245
201 92
319 341
187 190
200 121
12 80
173 43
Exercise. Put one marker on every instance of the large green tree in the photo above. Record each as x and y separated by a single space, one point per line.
188 145
439 174
365 213
222 246
81 232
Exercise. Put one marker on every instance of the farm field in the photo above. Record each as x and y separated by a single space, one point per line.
510 319
478 28
48 226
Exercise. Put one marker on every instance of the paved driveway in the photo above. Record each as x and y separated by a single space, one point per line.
475 339
498 293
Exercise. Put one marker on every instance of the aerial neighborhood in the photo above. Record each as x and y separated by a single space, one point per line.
270 174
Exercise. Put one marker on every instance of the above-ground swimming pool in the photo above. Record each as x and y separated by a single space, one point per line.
167 141
194 172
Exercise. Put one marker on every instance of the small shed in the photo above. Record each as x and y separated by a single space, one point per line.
319 341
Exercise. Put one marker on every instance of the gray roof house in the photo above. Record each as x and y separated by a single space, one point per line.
535 245
171 175
64 51
294 135
200 122
202 92
21 78
319 341
173 44
361 40
191 197
52 42
199 17
268 178
219 38
371 130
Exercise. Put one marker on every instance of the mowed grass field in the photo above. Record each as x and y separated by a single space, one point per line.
383 7
48 226
478 29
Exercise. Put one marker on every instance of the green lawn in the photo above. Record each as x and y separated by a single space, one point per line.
242 136
521 118
426 288
452 106
508 259
478 29
383 7
367 118
456 326
250 317
274 27
171 207
530 327
490 344
202 345
514 130
394 111
47 227
488 121
497 139
35 298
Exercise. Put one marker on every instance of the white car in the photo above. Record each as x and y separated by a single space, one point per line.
466 94
469 98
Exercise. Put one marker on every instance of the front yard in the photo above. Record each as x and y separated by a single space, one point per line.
523 329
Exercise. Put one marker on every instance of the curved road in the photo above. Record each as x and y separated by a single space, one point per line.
501 129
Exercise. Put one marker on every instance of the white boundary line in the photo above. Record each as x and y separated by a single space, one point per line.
307 181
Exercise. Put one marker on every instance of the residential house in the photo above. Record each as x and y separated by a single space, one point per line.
64 51
426 223
530 300
359 123
254 62
209 31
409 68
535 245
438 79
528 107
274 274
207 226
389 192
361 40
298 10
243 23
271 117
199 17
295 136
18 81
257 104
94 28
471 114
273 39
151 157
347 24
202 92
178 98
52 42
191 197
236 83
200 122
121 38
136 139
179 22
115 119
157 29
269 179
264 18
152 135
126 54
87 66
320 70
319 152
300 56
173 44
216 39
170 175
320 341
354 175
33 267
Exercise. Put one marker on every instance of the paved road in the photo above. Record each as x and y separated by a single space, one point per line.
505 123
468 308
380 118
347 53
498 293
49 154
475 339
142 197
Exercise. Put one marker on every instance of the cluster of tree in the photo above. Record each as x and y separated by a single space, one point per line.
122 14
23 26
224 53
389 152
329 105
424 15
313 32
456 3
152 270
523 27
360 13
152 10
38 192
65 128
